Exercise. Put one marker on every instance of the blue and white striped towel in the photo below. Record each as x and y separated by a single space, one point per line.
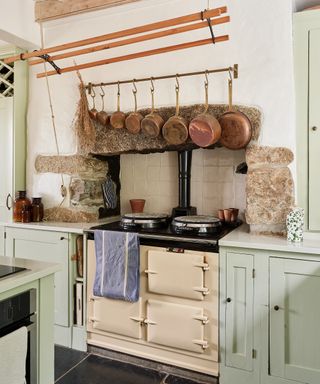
117 265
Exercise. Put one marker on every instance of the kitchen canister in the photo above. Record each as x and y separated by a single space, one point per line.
295 224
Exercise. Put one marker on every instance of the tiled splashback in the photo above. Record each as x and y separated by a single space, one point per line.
154 177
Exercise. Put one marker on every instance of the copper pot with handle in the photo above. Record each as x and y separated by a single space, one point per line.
236 128
152 124
205 129
133 121
93 111
102 116
117 119
175 130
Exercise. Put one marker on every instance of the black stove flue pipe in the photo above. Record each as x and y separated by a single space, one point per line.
184 208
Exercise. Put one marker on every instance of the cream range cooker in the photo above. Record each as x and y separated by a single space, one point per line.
176 319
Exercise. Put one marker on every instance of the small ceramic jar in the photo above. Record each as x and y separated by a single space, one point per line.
295 224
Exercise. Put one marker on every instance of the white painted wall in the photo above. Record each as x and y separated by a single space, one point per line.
17 25
260 42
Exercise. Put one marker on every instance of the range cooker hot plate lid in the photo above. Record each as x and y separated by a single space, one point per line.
145 216
144 220
198 221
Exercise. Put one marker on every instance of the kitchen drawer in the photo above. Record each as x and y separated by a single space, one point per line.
177 274
176 326
116 316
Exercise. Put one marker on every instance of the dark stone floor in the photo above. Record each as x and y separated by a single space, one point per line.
74 367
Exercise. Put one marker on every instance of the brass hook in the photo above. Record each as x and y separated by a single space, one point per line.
230 73
118 88
134 86
152 84
206 82
102 94
177 82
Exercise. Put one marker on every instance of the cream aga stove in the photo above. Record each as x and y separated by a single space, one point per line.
176 319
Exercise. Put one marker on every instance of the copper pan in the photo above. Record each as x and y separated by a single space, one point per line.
205 129
175 130
236 128
151 125
133 121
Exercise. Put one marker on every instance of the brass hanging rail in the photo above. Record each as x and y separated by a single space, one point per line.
234 69
207 14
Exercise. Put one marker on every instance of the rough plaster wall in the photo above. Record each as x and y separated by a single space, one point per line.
261 43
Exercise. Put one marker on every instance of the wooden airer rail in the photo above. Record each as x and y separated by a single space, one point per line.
205 18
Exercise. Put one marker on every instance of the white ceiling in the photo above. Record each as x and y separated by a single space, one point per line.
299 5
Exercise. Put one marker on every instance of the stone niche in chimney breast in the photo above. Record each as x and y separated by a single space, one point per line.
268 184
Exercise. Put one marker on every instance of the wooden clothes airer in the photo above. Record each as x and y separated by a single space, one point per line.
189 23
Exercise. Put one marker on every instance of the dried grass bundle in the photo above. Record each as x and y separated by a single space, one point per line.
83 125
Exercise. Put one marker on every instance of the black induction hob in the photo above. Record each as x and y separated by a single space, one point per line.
7 270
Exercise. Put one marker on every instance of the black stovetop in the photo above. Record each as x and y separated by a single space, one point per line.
6 270
168 237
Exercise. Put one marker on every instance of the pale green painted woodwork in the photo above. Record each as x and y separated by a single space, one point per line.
45 315
294 328
13 137
45 246
45 327
314 135
239 311
2 241
6 158
306 52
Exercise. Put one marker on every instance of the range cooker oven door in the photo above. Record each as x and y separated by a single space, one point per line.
20 311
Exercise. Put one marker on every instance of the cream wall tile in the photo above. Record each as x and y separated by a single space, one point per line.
197 173
154 159
153 173
210 157
198 156
168 173
169 159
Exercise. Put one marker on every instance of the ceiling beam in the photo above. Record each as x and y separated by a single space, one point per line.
55 9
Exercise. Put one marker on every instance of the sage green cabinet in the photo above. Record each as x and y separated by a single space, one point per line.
50 247
306 28
2 241
239 311
269 317
13 109
295 319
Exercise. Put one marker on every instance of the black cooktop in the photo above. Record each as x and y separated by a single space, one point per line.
168 232
6 270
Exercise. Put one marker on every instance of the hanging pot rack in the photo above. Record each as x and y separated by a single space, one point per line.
231 70
190 21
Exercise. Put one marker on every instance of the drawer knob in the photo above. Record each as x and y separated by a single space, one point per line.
276 307
314 128
229 300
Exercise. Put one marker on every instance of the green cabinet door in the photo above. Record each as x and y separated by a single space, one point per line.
314 130
295 320
50 247
6 157
239 311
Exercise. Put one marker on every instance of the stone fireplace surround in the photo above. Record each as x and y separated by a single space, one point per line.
269 183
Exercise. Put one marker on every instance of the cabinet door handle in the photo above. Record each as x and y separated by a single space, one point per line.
276 307
7 201
314 128
228 300
63 238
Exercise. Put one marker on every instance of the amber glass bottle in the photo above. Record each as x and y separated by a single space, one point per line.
37 209
20 201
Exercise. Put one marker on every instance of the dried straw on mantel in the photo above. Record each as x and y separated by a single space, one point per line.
83 125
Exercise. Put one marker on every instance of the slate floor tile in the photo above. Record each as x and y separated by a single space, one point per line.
99 370
65 359
181 380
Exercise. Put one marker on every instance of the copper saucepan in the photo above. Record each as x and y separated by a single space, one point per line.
117 119
236 129
151 125
133 121
102 116
205 129
93 112
175 130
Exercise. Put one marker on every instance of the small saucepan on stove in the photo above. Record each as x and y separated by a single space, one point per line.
205 129
175 130
152 124
102 116
133 121
236 129
117 119
93 112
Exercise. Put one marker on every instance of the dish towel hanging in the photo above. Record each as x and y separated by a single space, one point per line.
117 265
13 353
109 191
